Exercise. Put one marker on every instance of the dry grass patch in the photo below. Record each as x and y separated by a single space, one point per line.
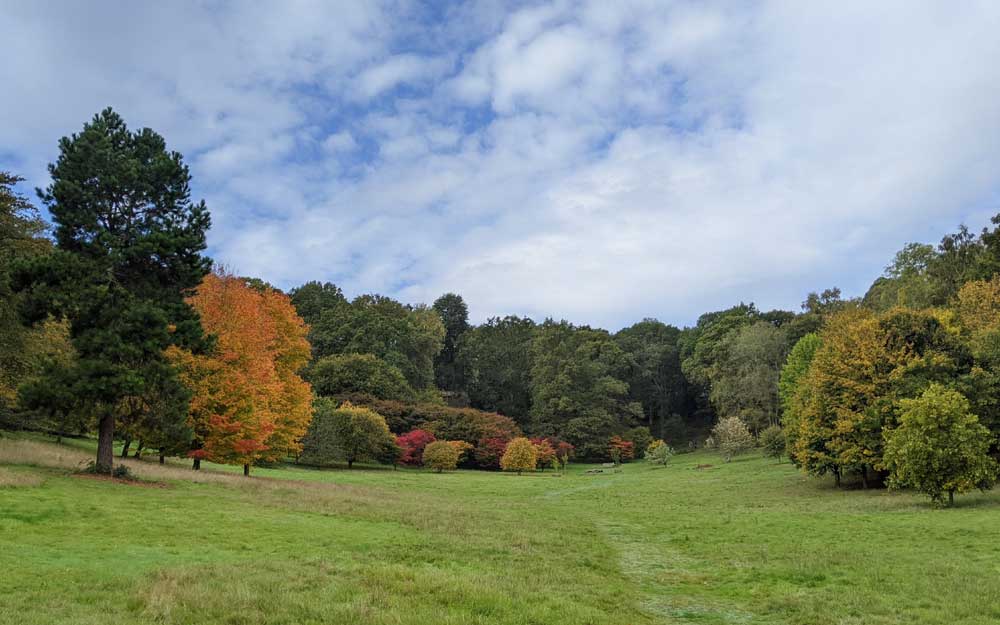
19 479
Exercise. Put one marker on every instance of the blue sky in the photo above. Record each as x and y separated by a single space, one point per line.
595 161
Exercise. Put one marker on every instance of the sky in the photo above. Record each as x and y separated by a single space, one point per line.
598 161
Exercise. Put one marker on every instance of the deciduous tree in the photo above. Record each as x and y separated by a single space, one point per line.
939 447
519 456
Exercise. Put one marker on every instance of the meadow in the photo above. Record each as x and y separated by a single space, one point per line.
751 541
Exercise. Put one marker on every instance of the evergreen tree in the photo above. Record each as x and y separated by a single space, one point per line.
129 248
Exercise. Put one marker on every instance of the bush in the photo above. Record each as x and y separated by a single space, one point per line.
441 456
620 450
733 437
519 456
658 452
639 437
544 452
772 439
412 446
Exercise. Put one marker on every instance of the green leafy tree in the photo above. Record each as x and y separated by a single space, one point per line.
455 315
129 243
939 447
347 433
656 381
792 392
496 361
313 299
578 384
24 352
406 337
744 380
342 374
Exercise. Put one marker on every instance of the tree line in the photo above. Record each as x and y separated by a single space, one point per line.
114 321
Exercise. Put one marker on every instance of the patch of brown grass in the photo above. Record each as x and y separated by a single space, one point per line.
19 479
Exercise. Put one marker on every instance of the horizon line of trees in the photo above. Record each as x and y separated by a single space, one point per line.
113 321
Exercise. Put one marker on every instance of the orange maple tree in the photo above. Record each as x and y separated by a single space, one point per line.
249 403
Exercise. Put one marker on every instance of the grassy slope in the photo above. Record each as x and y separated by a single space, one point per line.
748 542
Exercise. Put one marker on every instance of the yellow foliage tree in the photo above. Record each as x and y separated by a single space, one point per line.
519 456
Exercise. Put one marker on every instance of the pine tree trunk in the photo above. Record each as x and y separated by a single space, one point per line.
246 470
196 465
128 443
106 444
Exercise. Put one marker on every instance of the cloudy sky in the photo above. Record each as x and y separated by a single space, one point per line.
600 162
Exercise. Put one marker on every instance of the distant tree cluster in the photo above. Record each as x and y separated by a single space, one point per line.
113 322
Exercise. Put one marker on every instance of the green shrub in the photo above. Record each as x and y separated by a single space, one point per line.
772 439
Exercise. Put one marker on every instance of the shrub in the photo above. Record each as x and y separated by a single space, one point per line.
412 446
658 452
544 451
461 447
639 437
441 456
519 456
772 439
621 450
733 437
939 447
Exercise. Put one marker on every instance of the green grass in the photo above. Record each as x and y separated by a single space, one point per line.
746 542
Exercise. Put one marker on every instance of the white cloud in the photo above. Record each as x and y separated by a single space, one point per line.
596 161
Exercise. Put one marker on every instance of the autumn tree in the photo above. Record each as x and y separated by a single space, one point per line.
441 456
519 456
129 244
939 447
249 402
544 452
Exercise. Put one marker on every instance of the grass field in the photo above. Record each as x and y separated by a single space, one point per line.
746 542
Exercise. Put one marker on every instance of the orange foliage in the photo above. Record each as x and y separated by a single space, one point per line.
249 402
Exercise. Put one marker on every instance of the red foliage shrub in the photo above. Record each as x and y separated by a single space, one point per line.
412 444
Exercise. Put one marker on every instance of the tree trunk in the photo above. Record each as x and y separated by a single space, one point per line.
951 498
836 478
138 450
162 456
106 444
246 470
126 445
196 465
864 477
350 464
